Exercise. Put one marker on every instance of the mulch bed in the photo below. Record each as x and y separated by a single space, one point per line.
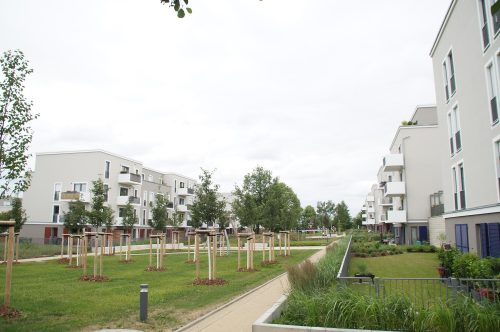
244 269
9 312
154 269
266 263
207 282
63 260
92 278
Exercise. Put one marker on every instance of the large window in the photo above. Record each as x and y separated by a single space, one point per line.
123 191
106 190
491 78
462 237
106 169
449 76
459 186
490 239
80 187
454 130
55 214
484 22
57 191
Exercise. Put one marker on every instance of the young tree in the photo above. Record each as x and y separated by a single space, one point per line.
175 219
206 206
282 208
326 213
76 218
250 200
160 215
358 220
99 214
129 218
308 218
15 116
342 218
18 214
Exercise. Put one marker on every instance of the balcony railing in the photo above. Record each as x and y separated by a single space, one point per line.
396 216
129 178
75 196
393 162
393 189
436 203
123 200
185 191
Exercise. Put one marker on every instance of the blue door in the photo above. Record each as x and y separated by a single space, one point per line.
490 239
462 237
422 236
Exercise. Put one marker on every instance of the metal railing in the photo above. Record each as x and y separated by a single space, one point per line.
345 261
425 292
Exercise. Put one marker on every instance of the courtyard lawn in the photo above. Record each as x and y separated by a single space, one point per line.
406 265
51 297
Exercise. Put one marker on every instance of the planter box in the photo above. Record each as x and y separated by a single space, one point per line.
263 323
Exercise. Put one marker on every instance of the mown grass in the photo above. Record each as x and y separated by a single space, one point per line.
51 297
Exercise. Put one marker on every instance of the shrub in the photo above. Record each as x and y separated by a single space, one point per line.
447 257
471 266
302 276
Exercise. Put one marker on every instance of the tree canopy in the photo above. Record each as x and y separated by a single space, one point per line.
99 214
281 209
308 218
76 217
129 218
325 213
207 206
342 218
160 214
15 116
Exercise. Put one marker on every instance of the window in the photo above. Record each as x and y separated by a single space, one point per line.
125 170
496 16
161 180
57 191
181 201
449 76
150 177
484 23
80 187
462 237
121 212
151 198
461 186
144 198
55 214
454 131
142 175
106 190
144 217
455 186
123 191
490 239
492 91
106 169
181 184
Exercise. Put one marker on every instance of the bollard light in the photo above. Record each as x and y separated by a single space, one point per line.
143 315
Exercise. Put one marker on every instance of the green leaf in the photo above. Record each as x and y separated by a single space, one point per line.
180 13
177 7
186 1
189 10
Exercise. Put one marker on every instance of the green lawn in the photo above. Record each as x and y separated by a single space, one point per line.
406 265
51 298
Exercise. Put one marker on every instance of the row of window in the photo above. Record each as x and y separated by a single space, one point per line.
486 16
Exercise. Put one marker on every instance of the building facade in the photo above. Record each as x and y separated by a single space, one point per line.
466 60
62 177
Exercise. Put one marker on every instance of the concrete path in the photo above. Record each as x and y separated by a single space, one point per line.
239 314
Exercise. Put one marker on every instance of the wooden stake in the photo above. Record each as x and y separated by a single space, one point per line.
10 258
95 256
103 244
239 258
70 250
197 254
17 247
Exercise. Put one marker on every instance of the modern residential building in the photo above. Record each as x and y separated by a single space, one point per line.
466 62
62 177
409 180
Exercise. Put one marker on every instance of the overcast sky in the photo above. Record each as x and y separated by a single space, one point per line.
311 90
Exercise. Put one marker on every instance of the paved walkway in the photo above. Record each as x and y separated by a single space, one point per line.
239 314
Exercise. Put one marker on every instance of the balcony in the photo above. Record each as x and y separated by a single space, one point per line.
396 216
123 200
364 206
393 163
385 202
370 198
371 209
363 216
394 189
182 208
71 196
129 179
370 221
185 191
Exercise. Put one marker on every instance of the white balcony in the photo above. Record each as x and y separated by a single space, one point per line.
371 209
393 162
394 189
370 221
129 179
396 216
363 208
385 202
185 191
182 208
363 216
71 196
123 200
370 198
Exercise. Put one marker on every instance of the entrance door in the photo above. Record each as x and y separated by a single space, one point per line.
414 234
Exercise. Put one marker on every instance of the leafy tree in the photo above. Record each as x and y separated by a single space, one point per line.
342 218
175 219
308 218
179 6
325 213
358 220
18 214
206 206
160 214
77 217
129 218
15 133
251 198
282 208
6 215
99 214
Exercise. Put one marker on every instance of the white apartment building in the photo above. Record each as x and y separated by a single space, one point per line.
62 177
466 61
409 180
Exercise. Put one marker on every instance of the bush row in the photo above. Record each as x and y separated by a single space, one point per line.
467 265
